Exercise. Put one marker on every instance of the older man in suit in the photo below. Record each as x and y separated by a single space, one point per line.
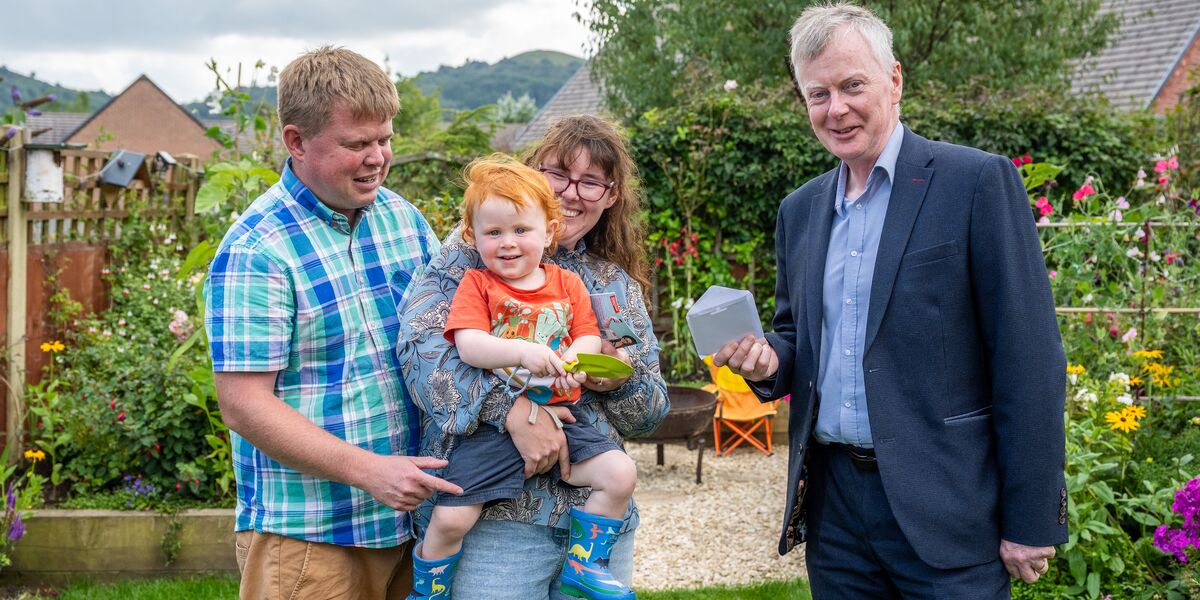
915 332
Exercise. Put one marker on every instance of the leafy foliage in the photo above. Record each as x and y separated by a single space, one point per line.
654 53
119 415
429 155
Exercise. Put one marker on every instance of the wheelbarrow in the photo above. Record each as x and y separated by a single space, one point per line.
689 420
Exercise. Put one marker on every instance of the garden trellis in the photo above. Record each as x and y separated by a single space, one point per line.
1155 255
35 235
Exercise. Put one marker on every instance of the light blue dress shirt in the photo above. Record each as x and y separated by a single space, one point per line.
849 267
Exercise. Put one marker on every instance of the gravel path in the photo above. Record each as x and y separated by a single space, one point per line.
723 531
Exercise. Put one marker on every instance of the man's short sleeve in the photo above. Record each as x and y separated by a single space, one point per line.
249 311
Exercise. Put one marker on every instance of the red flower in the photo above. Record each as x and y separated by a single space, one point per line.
112 403
121 417
1163 181
1027 159
1083 192
178 486
1087 318
1016 161
679 260
658 262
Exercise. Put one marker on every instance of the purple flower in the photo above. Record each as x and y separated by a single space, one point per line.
33 112
16 95
12 130
11 498
1171 541
17 529
53 97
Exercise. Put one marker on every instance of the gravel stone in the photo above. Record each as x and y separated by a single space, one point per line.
722 531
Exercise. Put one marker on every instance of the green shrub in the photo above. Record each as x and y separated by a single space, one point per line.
120 409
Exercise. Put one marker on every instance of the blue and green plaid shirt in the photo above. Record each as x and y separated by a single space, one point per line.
294 289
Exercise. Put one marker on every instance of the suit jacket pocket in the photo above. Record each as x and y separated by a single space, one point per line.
923 256
974 416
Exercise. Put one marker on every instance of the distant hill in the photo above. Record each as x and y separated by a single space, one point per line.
69 100
539 73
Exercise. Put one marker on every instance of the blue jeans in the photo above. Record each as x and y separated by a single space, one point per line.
506 560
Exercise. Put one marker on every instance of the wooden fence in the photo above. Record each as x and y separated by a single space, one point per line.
67 243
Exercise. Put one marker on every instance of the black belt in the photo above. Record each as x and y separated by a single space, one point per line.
863 458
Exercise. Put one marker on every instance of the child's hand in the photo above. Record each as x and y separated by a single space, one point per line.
541 361
565 383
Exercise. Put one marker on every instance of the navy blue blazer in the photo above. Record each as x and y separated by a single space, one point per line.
964 365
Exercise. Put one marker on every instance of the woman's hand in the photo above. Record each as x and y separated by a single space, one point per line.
603 384
541 444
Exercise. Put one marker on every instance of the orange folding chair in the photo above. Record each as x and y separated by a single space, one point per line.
739 411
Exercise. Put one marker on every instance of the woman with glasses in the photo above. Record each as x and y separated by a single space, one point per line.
519 547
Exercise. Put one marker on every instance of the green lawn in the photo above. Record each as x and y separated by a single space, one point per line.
212 587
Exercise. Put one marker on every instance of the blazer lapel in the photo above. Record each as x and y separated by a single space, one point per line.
908 193
820 223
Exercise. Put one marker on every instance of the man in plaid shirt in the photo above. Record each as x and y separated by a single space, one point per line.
302 302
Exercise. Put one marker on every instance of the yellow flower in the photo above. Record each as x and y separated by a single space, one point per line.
1148 353
1195 420
35 455
55 346
1135 411
1076 369
1121 421
1135 381
1149 459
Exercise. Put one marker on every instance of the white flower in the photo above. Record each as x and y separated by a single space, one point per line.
1087 298
677 303
688 305
1116 216
1121 377
1125 399
1133 253
1073 378
1139 234
1129 335
1154 256
1086 396
730 85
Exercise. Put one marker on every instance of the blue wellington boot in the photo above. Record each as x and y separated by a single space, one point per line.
431 578
585 574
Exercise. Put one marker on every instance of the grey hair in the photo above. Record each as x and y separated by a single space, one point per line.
816 27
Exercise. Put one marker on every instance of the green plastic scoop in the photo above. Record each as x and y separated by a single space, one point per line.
600 365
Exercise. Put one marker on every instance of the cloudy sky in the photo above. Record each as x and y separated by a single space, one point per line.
86 44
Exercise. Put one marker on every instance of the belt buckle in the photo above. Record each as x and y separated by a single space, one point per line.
860 459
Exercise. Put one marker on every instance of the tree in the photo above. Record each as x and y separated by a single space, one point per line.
515 110
650 53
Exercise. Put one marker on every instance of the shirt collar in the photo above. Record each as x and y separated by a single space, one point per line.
306 198
886 162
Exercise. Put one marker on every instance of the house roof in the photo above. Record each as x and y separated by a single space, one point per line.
60 125
143 118
1152 39
578 96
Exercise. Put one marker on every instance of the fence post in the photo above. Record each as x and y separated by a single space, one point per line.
18 251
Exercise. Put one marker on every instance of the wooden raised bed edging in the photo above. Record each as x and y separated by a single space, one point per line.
107 545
